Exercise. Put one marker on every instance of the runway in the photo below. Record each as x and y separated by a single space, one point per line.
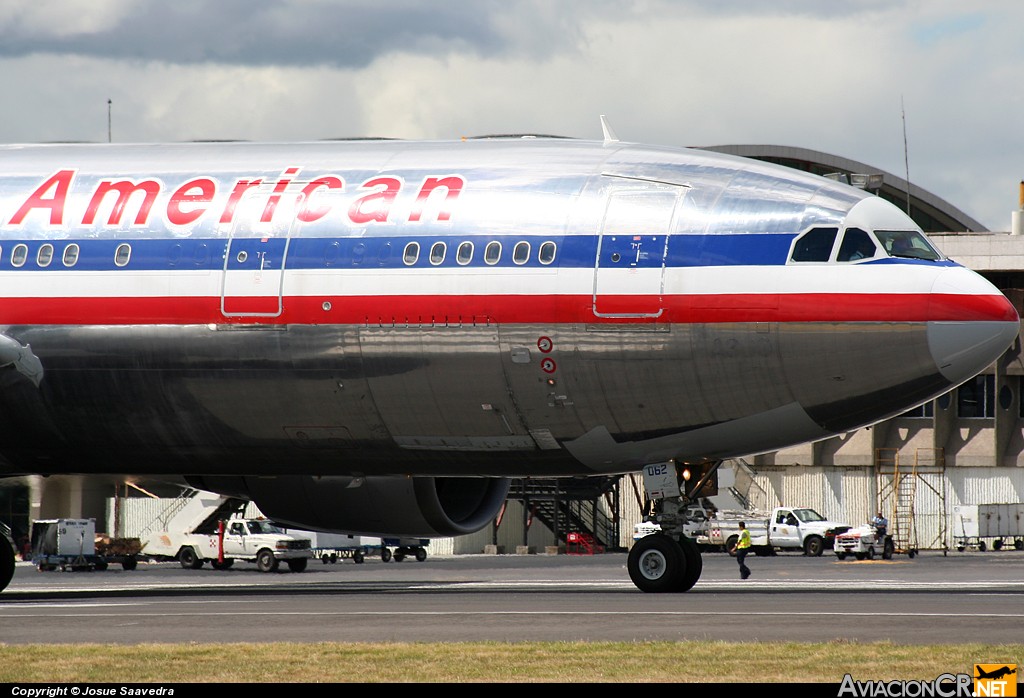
969 597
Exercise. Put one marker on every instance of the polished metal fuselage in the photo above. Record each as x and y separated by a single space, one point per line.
266 320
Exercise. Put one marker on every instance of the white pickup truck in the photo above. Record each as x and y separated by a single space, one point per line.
788 528
250 540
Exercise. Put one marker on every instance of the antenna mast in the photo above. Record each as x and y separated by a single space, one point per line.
906 156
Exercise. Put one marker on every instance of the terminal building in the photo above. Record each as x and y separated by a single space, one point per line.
921 468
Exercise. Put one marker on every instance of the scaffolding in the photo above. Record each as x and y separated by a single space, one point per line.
897 485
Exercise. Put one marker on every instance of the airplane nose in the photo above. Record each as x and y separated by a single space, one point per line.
970 324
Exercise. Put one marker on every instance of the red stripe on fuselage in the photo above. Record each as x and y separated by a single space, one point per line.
515 309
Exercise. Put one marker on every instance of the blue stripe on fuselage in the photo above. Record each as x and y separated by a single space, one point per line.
382 252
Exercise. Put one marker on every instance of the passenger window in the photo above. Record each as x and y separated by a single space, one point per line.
332 252
546 254
20 255
815 245
45 255
411 254
521 253
465 254
437 251
71 255
122 255
201 256
492 253
856 245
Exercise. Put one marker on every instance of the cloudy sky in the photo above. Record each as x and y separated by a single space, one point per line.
820 74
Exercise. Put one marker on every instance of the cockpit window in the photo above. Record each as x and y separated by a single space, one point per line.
907 243
815 245
856 245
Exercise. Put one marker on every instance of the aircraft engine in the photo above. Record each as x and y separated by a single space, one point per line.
422 507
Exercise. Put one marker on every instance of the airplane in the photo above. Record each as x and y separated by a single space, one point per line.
995 673
374 336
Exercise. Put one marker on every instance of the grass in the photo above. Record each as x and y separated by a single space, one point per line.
563 662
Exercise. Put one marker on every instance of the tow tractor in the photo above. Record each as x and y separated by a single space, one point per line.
864 543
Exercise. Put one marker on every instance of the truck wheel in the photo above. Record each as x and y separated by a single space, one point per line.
814 546
421 554
385 554
129 564
189 559
841 556
1018 544
265 561
399 556
730 544
358 557
997 544
221 565
981 546
101 566
869 554
297 565
656 564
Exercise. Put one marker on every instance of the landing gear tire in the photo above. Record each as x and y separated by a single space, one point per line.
694 564
657 564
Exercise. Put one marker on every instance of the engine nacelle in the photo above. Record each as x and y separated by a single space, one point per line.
415 507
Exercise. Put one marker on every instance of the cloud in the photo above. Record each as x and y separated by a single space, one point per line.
827 76
282 32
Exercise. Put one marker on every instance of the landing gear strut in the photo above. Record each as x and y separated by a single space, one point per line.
667 561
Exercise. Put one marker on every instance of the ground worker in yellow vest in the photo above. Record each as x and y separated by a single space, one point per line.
742 548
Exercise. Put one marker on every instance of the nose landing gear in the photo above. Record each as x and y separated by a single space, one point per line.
667 561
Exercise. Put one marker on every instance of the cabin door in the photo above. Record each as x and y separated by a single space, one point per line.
256 254
632 249
254 276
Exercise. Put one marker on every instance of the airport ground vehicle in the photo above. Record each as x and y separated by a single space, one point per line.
864 543
408 547
70 544
982 526
787 528
250 540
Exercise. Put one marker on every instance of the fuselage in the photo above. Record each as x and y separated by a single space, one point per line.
496 307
